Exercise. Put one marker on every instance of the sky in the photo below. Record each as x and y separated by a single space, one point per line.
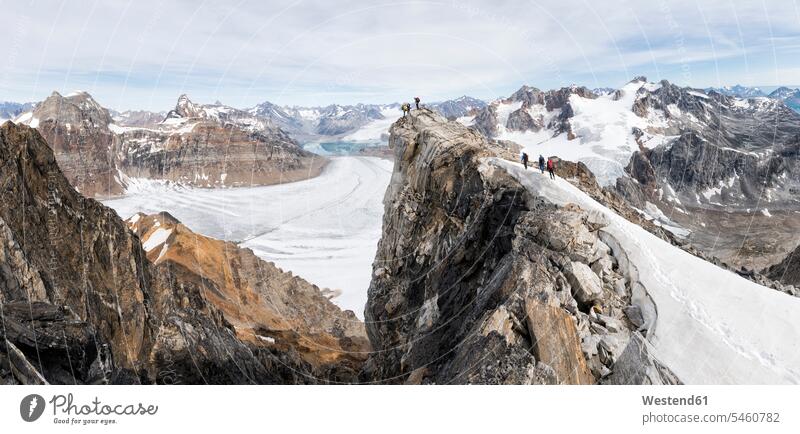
142 54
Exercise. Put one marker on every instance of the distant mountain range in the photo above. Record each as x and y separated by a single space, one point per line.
790 96
10 110
738 91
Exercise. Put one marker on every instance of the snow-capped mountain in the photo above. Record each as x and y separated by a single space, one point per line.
782 92
357 122
10 110
333 120
680 155
790 97
604 131
277 115
219 113
738 91
459 107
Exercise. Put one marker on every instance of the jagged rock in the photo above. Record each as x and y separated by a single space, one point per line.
603 267
586 286
636 365
555 342
521 120
786 271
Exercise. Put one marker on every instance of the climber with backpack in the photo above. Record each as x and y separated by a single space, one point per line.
551 167
406 107
416 101
525 160
541 163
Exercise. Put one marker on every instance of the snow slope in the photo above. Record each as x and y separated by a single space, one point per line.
712 325
324 229
603 127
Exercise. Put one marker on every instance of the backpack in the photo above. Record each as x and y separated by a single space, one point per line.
550 165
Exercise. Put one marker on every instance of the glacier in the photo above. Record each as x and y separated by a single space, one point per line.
324 229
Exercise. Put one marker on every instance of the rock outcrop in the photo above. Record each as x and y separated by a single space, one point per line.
521 120
787 271
475 278
265 305
81 302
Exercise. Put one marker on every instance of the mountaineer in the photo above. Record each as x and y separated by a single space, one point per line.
551 167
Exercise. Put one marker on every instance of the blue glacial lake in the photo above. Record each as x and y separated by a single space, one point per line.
334 148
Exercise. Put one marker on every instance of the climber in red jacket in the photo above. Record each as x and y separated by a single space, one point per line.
551 167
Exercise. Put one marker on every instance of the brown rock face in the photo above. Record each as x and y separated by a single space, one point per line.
556 343
212 155
77 248
81 303
265 306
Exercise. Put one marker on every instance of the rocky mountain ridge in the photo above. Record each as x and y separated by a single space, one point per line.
478 281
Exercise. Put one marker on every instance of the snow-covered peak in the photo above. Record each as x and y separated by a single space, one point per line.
77 109
739 91
784 92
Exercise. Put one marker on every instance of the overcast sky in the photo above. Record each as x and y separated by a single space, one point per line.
143 54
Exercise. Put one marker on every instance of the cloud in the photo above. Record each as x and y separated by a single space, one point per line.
142 54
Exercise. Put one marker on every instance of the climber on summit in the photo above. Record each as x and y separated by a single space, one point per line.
541 163
525 160
551 167
406 107
416 101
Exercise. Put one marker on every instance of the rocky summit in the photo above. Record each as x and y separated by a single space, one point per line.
83 301
477 280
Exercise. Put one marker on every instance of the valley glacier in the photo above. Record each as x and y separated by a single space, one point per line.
324 229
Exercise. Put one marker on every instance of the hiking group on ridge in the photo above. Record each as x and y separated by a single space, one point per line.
550 164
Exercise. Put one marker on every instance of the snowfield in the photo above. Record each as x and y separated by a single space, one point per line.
603 128
712 326
325 229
